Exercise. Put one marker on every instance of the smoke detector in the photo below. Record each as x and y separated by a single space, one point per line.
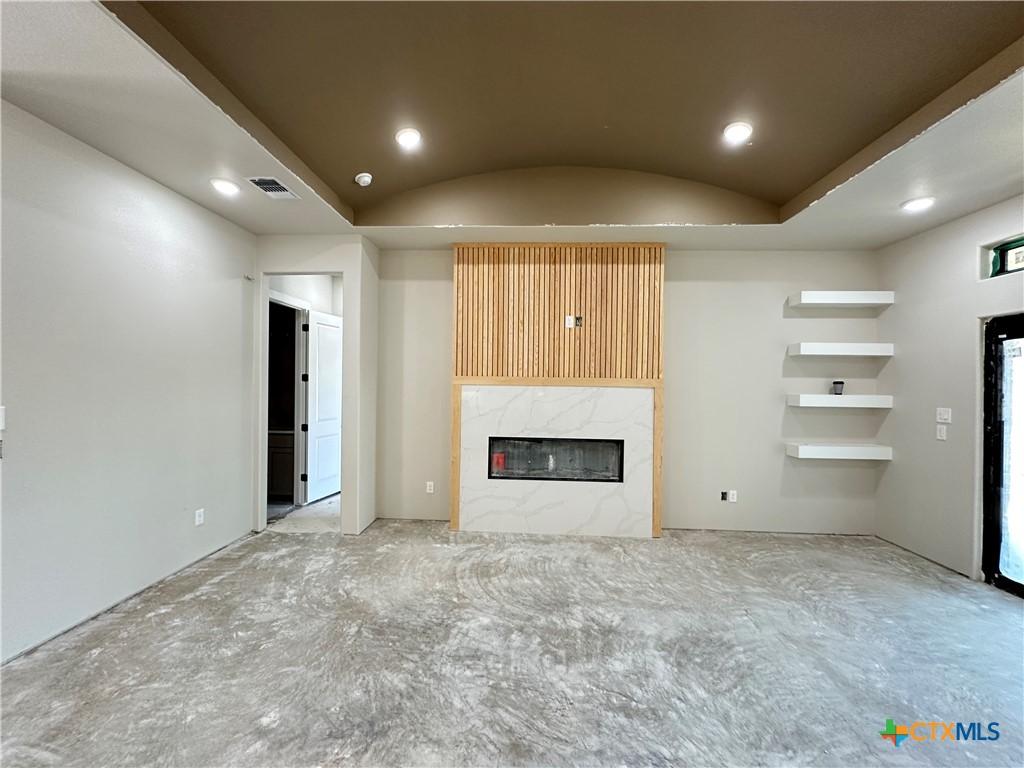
363 179
271 187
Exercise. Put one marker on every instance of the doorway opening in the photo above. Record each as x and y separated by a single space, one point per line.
1002 554
304 389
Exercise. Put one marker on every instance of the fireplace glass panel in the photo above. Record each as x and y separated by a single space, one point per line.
555 458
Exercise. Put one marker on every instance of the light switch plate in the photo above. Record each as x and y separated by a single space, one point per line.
570 321
944 415
200 516
733 496
940 431
430 486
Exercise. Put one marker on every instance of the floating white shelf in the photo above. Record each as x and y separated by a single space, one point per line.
840 401
842 299
855 451
840 349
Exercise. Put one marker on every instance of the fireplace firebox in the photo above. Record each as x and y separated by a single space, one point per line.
555 458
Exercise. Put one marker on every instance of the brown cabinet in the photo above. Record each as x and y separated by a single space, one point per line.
281 465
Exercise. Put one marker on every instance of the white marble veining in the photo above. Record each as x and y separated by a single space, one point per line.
539 506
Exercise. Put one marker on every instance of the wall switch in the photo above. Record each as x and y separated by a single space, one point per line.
200 516
570 321
725 495
430 486
733 496
944 415
940 431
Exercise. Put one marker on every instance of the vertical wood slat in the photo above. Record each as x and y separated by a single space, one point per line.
510 301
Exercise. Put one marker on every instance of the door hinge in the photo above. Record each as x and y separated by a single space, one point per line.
304 477
304 427
305 377
305 327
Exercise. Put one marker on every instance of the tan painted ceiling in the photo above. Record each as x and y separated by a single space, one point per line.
639 86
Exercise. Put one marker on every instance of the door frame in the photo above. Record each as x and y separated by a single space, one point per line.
992 452
355 260
301 307
350 402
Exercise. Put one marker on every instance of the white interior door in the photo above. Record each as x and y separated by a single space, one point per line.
323 434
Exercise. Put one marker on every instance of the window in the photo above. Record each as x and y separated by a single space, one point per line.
1008 257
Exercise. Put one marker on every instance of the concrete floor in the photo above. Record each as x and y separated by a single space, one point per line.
412 646
319 517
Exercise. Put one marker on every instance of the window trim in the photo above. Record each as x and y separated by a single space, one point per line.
998 254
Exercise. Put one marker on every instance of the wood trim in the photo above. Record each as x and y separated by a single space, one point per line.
555 245
456 455
554 381
456 433
659 430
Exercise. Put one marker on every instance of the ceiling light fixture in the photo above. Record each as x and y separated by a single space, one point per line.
408 139
737 133
364 179
225 187
918 204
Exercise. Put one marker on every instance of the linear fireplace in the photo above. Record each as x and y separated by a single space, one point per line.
555 458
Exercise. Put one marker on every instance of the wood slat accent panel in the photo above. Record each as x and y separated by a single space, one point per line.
511 301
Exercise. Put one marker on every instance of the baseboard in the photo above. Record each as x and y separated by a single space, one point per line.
123 600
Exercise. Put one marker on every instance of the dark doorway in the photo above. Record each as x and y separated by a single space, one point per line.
1003 533
281 408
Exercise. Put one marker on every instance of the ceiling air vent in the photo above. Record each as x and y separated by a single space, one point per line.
273 188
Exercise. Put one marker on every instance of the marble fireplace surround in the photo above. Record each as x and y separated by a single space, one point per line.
557 507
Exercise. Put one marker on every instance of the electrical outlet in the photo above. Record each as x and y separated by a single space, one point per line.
200 516
944 415
940 431
430 486
733 497
570 321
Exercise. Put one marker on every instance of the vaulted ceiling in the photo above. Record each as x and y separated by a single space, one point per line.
634 86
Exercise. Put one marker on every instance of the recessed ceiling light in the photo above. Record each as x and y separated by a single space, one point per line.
408 139
225 187
364 179
737 133
918 204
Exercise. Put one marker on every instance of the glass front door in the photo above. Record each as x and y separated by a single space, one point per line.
1003 547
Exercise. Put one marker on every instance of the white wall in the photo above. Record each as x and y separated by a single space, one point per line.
318 290
727 326
355 260
929 500
414 408
127 359
726 331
